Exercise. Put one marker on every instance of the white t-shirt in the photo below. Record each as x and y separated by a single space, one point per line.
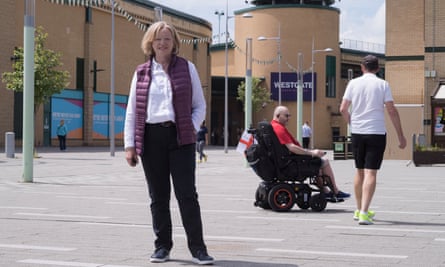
368 95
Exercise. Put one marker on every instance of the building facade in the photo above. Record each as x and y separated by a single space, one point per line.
81 32
416 62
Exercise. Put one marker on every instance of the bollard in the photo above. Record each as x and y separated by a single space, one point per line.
9 144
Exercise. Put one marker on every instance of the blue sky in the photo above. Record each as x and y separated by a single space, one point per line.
361 20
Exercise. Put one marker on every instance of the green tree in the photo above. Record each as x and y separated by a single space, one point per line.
260 95
48 78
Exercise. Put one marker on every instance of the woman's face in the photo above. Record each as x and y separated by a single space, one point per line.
163 43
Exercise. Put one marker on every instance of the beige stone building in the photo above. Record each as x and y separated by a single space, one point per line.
413 63
83 36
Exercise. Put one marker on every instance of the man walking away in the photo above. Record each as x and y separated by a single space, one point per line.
368 95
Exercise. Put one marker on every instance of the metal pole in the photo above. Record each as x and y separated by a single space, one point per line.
313 88
300 98
226 83
28 91
248 83
350 76
112 104
279 63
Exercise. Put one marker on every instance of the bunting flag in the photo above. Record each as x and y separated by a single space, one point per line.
245 142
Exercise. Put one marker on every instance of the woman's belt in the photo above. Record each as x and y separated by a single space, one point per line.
165 124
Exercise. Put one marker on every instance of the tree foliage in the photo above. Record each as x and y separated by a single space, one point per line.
48 78
260 95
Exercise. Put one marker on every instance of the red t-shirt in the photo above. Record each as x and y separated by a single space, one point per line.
283 134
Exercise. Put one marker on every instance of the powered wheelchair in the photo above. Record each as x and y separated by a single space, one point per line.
287 178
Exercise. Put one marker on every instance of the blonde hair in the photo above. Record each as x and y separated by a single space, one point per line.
152 32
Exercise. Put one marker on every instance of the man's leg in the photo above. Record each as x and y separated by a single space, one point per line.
358 187
327 170
369 185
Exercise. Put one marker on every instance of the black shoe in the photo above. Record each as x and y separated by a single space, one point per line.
160 255
202 258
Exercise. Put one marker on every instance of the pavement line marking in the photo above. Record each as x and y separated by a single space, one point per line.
24 208
117 224
36 247
60 215
238 238
230 211
384 229
100 198
219 195
411 212
328 253
238 199
423 201
70 263
46 193
129 203
286 219
440 239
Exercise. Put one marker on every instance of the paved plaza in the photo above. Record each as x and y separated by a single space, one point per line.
86 208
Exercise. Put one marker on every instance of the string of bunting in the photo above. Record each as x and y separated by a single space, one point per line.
143 27
140 25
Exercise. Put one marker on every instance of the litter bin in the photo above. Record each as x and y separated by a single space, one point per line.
339 148
9 144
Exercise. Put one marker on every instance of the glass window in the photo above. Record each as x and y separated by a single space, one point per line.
330 76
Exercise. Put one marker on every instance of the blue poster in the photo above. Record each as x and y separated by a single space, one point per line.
67 106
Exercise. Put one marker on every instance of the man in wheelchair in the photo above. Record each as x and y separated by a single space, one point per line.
279 122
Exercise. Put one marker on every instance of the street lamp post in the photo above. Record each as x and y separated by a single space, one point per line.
28 91
220 13
226 83
299 97
278 39
111 118
248 83
314 88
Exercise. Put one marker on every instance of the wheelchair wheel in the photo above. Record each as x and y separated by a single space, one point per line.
261 199
318 202
281 197
303 198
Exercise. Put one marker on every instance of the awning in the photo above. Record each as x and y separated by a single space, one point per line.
440 92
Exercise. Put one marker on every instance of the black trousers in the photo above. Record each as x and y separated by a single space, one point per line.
162 158
306 141
62 142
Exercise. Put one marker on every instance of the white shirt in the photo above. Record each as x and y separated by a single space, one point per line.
160 104
307 131
368 95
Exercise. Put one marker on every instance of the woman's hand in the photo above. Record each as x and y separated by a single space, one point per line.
131 156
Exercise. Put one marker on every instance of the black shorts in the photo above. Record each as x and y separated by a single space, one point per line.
368 150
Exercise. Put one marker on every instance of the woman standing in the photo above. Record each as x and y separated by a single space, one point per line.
165 108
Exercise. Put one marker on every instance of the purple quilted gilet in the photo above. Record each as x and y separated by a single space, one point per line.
181 84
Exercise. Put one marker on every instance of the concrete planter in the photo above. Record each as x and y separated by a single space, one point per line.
428 157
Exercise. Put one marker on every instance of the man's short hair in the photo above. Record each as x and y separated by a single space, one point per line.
370 62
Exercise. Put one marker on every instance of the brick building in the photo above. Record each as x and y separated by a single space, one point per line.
81 31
